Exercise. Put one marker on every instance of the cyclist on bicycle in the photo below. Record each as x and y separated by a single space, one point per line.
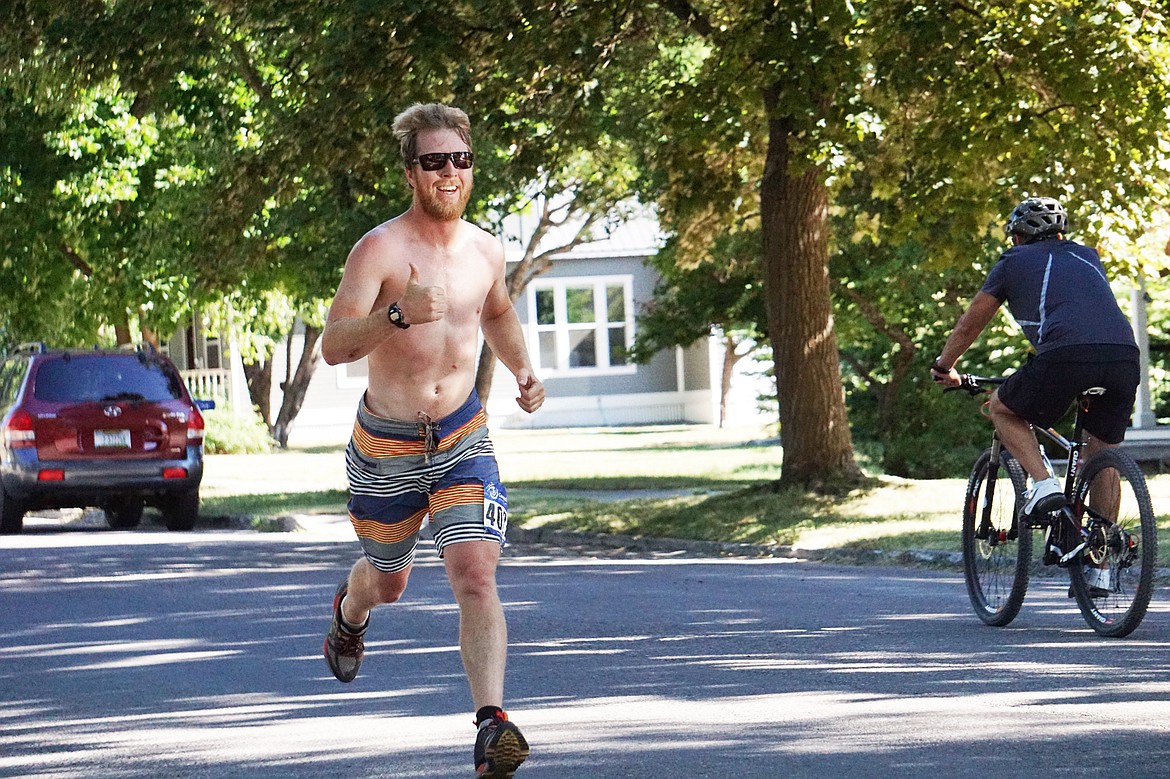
1058 292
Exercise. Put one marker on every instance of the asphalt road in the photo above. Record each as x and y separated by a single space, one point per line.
148 654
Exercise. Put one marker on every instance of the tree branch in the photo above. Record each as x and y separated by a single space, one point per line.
874 316
875 384
251 76
690 16
76 260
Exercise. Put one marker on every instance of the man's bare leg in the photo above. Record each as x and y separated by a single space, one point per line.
369 587
1019 439
1105 491
500 747
483 631
362 590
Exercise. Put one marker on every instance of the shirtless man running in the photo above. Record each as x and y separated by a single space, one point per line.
414 294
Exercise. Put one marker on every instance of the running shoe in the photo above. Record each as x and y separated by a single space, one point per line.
1045 496
500 748
343 649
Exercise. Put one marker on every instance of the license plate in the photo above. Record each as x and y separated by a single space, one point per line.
111 439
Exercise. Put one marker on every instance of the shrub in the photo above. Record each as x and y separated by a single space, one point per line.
933 435
231 433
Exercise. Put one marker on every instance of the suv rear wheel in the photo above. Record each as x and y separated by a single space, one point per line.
180 510
11 513
123 513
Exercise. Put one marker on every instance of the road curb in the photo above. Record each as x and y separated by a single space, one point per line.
582 542
635 544
585 543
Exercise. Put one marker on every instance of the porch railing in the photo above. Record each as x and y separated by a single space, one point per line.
209 384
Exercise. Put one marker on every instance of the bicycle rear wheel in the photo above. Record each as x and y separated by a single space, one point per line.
1121 549
997 545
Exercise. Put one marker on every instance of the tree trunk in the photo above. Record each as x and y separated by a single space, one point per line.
259 377
525 271
730 358
484 372
814 428
294 390
149 336
122 331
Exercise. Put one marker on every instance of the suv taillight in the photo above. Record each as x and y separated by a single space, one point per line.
195 427
18 433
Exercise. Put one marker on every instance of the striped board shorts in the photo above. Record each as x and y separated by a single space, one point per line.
402 472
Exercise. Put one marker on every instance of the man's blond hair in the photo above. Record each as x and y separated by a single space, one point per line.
428 116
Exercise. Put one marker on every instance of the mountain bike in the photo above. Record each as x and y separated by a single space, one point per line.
1106 532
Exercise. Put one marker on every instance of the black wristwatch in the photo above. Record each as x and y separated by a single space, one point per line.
394 314
937 366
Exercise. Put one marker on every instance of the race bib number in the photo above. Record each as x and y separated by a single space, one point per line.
495 508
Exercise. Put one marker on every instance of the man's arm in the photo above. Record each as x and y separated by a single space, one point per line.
504 335
354 328
968 328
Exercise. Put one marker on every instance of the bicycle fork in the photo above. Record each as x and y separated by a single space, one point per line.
987 531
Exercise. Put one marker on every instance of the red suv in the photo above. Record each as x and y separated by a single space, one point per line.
115 429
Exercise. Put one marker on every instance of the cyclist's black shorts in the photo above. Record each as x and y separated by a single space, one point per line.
1045 387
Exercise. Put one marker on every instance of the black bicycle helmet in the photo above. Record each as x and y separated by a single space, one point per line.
1037 217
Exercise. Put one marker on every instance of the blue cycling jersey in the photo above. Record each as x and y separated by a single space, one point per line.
1058 293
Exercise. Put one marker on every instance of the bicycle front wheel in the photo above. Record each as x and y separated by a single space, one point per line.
997 543
1113 578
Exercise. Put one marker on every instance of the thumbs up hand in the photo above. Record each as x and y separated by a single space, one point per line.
421 304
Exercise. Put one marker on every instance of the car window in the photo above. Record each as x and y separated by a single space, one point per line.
10 377
105 377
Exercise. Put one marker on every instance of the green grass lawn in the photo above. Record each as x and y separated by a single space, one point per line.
721 510
271 504
690 482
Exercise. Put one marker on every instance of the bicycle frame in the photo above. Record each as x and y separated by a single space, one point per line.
1071 448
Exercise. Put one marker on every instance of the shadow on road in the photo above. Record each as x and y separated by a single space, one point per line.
136 655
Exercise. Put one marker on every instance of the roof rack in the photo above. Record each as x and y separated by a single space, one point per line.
32 347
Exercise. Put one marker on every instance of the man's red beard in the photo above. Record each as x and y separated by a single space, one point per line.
441 208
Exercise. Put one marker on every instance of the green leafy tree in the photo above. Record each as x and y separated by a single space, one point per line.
942 114
160 156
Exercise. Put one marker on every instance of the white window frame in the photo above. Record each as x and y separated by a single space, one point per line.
601 324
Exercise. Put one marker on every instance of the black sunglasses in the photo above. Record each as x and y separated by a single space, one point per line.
438 160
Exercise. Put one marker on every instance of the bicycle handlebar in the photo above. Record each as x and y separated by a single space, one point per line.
975 385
